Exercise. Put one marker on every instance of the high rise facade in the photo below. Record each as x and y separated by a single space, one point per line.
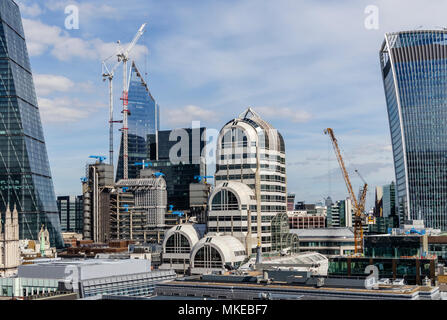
144 119
414 70
25 177
71 213
389 200
249 201
179 155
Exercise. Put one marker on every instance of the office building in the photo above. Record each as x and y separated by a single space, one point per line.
71 213
327 241
413 270
25 176
86 278
96 190
179 155
249 201
304 220
340 214
290 201
389 200
378 204
414 72
144 119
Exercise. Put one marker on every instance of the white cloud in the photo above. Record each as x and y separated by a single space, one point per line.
87 10
65 109
287 114
33 10
185 116
41 38
48 83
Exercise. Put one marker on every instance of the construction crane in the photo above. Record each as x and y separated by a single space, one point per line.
108 74
358 205
124 57
144 164
200 178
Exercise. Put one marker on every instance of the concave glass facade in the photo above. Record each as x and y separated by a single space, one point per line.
25 177
144 119
414 70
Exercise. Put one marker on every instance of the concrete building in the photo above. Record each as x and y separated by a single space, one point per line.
96 189
9 243
290 202
142 217
198 200
328 241
303 220
177 247
290 285
340 214
249 201
216 254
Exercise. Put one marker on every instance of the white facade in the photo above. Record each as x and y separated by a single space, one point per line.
177 246
250 153
217 254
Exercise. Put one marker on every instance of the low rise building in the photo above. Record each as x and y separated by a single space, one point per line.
303 220
327 241
124 277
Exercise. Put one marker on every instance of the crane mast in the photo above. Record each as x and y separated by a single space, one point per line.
124 57
358 205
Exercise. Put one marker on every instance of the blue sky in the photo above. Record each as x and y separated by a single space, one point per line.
302 65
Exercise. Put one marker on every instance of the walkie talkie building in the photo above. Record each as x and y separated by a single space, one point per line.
25 177
414 70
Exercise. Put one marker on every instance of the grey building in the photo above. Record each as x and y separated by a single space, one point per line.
327 241
96 190
71 213
25 176
414 71
87 278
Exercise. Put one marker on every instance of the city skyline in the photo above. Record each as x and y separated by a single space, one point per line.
207 71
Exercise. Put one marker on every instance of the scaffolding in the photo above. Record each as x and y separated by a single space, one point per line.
138 209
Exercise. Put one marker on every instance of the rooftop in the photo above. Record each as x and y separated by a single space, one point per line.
324 233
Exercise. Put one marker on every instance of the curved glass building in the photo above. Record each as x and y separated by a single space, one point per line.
25 177
414 71
144 119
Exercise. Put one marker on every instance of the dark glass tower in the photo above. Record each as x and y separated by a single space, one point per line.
414 70
178 175
144 119
25 177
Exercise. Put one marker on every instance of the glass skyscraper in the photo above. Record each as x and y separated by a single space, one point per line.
414 70
144 119
25 177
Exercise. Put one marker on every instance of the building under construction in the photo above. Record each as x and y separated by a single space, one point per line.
96 189
138 208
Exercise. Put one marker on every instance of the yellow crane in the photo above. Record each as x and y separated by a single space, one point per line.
359 206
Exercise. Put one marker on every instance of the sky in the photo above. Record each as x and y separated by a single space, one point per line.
302 65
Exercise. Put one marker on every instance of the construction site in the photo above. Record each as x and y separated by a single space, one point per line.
134 209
